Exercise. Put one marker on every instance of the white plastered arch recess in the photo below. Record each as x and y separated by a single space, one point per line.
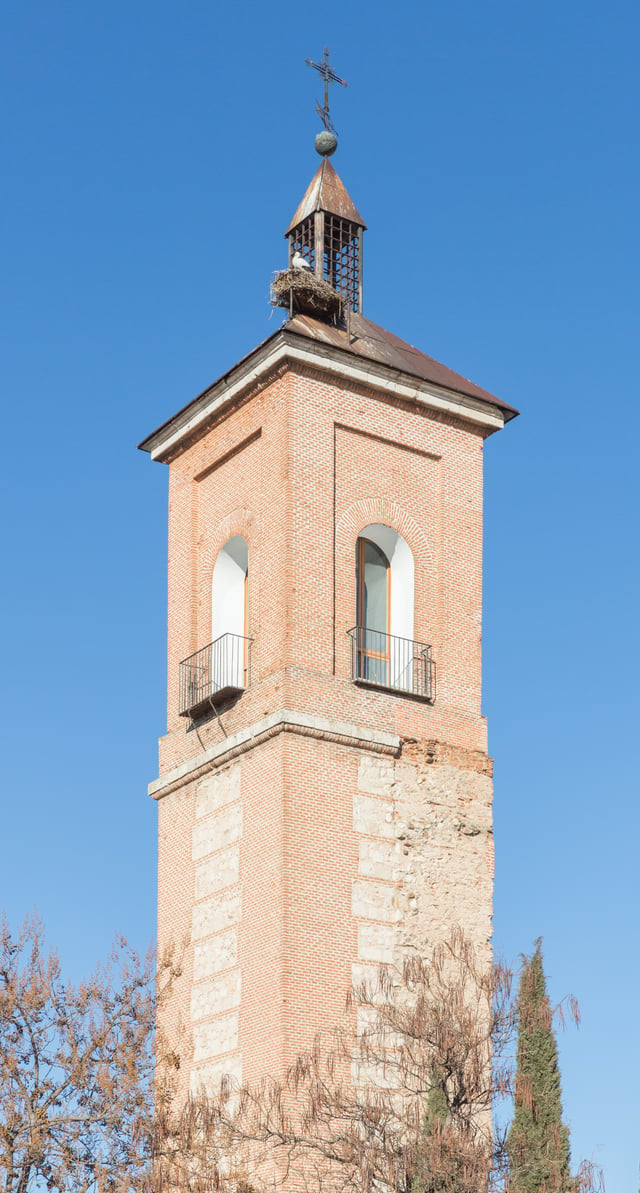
402 568
240 522
367 511
398 664
229 614
228 588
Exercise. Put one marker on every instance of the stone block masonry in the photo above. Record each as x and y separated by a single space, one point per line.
217 912
424 857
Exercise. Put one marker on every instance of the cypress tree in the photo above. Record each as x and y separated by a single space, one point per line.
538 1141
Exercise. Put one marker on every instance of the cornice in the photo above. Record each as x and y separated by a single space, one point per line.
289 349
283 721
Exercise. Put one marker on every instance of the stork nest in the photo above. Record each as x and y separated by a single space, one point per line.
306 293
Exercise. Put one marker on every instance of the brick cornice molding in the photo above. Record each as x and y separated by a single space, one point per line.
285 352
339 732
283 721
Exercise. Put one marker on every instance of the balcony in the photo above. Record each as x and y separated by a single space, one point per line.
214 673
395 664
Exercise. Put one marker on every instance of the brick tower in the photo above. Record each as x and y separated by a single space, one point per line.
324 789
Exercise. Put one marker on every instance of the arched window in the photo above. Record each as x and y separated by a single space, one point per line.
384 608
229 615
220 669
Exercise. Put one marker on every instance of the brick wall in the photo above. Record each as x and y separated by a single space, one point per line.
294 855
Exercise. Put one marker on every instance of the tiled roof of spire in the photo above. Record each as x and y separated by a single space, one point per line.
326 192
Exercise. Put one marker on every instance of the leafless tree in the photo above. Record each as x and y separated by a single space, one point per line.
398 1101
76 1070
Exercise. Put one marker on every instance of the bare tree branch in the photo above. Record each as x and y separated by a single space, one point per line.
398 1100
76 1070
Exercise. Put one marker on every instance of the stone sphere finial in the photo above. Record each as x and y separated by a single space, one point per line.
326 143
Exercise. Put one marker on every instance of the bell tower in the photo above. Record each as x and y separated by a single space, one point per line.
324 789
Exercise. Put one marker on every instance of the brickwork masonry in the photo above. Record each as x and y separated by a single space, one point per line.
317 827
412 860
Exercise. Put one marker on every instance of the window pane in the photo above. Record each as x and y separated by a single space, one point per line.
376 570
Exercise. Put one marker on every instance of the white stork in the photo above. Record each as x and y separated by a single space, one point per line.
300 262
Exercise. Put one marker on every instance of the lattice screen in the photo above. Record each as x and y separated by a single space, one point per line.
340 258
341 265
302 241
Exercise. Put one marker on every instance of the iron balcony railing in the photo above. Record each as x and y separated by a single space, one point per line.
398 664
219 670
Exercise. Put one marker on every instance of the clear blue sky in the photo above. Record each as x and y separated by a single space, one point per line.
152 155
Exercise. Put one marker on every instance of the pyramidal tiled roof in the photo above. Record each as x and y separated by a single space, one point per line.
326 192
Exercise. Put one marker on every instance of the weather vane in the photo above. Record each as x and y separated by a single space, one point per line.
327 141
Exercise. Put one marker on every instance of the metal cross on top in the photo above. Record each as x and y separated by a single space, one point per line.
329 76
